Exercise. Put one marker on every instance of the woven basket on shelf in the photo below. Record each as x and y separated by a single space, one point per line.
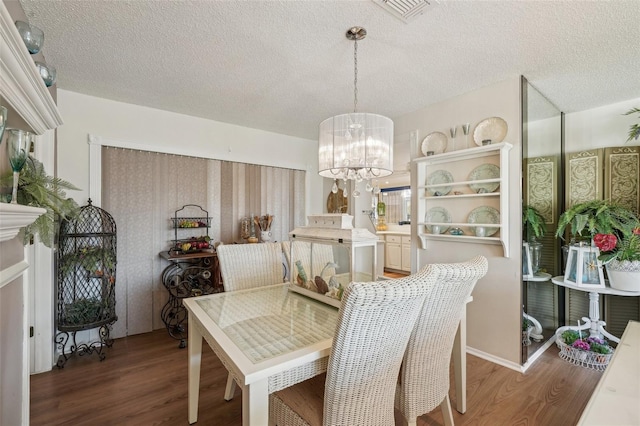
583 358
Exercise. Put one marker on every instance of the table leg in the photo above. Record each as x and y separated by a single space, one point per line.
460 363
195 357
255 403
593 323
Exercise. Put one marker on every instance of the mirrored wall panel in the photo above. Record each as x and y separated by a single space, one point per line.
542 194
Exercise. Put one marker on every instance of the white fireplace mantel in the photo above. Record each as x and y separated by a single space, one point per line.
20 83
15 216
30 107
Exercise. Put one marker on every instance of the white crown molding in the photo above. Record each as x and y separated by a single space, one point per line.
15 216
20 83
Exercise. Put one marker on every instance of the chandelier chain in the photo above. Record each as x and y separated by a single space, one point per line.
355 76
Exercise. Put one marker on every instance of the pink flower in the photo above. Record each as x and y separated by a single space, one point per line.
605 242
581 344
636 231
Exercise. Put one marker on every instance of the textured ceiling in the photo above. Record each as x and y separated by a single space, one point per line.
284 66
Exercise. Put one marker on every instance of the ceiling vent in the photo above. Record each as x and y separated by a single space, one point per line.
405 10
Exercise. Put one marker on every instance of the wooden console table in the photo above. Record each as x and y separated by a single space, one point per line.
188 275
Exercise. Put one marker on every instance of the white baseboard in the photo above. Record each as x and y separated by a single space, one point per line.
494 359
511 365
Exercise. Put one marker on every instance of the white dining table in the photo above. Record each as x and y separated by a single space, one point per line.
264 333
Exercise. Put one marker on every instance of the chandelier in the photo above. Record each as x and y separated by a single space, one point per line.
356 146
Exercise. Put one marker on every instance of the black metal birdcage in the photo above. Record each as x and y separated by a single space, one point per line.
86 280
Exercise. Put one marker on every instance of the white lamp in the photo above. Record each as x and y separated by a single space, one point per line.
355 146
583 267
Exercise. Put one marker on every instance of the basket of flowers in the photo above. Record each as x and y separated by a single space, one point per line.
590 352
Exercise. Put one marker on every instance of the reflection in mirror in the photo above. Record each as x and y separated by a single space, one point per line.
542 142
398 204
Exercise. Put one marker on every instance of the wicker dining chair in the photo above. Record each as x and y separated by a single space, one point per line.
374 325
424 377
245 266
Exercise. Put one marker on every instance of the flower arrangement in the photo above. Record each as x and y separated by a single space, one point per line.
615 229
591 352
574 339
612 248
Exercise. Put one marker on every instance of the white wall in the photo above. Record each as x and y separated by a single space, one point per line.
177 133
494 316
601 127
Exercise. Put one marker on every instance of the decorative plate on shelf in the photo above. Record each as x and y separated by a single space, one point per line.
485 215
494 128
436 142
437 178
483 172
439 215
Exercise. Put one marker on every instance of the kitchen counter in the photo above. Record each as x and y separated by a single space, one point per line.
405 233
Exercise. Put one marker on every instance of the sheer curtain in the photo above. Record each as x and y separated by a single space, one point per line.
141 190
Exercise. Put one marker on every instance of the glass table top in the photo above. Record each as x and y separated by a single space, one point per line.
270 321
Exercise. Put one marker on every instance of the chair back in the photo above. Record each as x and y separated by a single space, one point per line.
424 378
375 322
250 265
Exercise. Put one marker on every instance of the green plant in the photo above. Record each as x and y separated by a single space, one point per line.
570 336
598 217
582 341
83 311
634 130
533 222
600 349
615 229
37 189
93 259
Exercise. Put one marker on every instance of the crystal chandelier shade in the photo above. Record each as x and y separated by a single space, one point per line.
355 146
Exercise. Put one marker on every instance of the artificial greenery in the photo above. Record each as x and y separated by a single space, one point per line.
83 311
93 259
570 336
627 249
533 222
634 130
600 348
37 189
598 217
582 340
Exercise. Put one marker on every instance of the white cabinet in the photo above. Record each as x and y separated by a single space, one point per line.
398 252
406 254
464 191
393 252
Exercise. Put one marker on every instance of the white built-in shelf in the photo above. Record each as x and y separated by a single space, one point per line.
461 199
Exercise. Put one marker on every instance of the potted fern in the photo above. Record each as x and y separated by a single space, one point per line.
37 189
533 223
615 230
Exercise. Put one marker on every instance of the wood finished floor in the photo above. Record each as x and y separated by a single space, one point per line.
143 381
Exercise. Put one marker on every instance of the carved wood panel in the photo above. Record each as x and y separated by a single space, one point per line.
622 172
584 176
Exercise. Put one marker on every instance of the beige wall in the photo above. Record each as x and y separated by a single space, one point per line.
176 133
600 127
494 316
